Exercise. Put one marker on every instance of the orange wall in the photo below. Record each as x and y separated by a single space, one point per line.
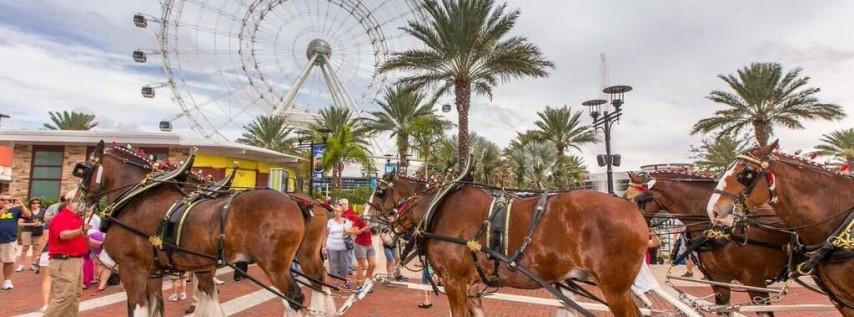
5 156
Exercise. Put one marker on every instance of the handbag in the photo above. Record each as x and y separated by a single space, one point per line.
348 242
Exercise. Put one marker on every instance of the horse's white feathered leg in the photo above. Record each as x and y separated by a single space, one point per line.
209 305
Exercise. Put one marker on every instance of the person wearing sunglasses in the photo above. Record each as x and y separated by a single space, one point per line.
10 212
32 230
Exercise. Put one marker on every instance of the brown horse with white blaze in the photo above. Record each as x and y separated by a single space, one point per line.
762 258
262 226
812 201
602 235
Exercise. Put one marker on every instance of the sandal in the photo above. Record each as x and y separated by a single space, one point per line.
98 292
425 306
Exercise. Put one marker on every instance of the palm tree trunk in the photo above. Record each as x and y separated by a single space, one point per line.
462 90
402 149
761 129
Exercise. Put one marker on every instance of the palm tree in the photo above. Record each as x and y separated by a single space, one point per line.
714 155
532 164
344 147
71 120
426 137
402 112
563 128
762 98
571 172
487 158
521 139
840 145
334 119
270 132
467 48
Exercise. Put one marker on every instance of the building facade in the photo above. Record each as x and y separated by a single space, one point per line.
42 160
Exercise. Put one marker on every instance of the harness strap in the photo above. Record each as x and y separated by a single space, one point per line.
223 216
539 211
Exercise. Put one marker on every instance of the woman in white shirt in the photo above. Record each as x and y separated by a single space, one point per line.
337 230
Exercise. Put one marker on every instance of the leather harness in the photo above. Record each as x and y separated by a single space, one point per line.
493 251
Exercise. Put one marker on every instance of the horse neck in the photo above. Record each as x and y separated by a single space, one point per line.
147 209
126 177
685 198
806 197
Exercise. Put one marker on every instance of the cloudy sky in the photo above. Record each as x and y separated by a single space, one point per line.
75 55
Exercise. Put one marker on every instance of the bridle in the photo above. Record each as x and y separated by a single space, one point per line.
94 167
754 171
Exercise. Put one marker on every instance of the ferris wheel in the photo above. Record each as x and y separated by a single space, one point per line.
226 62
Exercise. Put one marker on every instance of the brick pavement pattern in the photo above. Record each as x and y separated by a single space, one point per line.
385 301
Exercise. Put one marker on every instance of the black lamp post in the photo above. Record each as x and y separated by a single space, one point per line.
307 138
605 123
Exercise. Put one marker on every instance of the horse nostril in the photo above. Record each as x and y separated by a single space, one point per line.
715 213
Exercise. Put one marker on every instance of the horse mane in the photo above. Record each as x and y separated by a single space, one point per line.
812 165
683 175
129 154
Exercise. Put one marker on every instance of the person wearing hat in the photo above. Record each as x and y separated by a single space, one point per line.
67 243
10 212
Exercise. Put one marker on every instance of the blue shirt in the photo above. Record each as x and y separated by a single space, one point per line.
9 224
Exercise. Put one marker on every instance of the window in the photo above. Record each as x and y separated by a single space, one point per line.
46 172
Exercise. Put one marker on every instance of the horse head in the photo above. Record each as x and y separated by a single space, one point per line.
747 183
390 193
640 192
109 170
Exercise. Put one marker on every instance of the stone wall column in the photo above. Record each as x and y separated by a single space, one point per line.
22 163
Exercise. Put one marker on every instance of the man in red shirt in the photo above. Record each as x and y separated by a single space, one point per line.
67 243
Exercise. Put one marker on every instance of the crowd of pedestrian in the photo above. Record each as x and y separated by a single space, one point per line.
54 242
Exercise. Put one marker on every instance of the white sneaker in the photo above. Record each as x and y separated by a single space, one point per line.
20 268
218 281
183 296
43 309
7 284
173 298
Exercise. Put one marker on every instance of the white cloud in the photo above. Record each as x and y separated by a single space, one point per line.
59 55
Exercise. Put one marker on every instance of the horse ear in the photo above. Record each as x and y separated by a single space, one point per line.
99 149
634 178
775 145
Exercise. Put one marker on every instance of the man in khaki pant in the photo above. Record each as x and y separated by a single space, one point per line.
67 243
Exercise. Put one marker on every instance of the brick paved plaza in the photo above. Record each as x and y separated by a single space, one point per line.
246 299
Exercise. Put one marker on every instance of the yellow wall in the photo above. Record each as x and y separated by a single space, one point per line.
247 169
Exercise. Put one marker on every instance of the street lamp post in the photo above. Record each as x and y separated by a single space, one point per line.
605 123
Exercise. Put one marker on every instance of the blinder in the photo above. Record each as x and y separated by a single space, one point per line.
84 171
747 177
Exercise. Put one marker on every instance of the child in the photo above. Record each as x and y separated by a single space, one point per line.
179 288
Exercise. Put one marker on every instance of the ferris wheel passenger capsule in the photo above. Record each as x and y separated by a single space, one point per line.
140 21
148 92
139 56
165 126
